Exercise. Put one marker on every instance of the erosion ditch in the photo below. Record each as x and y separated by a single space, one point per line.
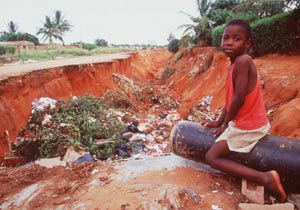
18 92
193 77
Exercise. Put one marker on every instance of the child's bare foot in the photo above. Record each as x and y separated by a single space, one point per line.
274 184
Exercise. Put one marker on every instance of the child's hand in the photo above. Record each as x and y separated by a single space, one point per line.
219 131
210 123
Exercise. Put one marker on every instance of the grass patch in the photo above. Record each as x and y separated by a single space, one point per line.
52 53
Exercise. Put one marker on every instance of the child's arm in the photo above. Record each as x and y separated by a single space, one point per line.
241 79
217 123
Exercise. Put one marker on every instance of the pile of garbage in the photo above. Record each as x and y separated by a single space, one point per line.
88 129
202 111
54 126
85 128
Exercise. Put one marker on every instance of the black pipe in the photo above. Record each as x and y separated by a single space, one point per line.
191 140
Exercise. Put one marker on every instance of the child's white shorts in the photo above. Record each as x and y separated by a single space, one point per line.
239 140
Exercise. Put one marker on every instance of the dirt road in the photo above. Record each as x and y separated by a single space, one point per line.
19 68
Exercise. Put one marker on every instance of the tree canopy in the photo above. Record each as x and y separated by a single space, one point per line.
19 36
12 27
54 28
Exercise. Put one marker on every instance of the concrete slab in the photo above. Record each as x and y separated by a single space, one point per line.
132 167
254 192
280 206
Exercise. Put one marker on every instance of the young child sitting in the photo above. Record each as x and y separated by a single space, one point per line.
243 121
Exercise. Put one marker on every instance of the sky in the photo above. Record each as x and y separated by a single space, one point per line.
116 21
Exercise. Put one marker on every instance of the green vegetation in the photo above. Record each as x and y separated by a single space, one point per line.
262 8
167 73
49 54
276 34
54 27
100 50
217 33
19 36
275 24
12 27
78 122
199 31
101 42
180 55
173 45
88 46
7 50
52 53
220 10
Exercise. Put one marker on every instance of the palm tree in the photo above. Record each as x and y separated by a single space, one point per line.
62 25
203 7
292 3
12 27
48 30
263 8
198 32
54 28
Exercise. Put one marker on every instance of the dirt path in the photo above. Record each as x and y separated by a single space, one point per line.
19 68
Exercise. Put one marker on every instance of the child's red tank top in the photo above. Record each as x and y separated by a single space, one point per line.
252 114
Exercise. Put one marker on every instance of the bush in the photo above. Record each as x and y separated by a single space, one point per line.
88 46
101 42
276 34
217 34
179 56
173 46
7 49
7 37
167 73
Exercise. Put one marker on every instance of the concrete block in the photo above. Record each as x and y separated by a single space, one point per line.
50 162
279 206
294 199
253 191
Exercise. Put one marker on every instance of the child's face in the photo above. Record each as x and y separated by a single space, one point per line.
234 41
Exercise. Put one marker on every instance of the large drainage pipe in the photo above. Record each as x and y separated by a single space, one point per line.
191 140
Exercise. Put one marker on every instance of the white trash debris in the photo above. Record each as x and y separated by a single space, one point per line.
43 103
47 119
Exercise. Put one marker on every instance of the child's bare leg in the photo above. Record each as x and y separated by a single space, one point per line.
216 157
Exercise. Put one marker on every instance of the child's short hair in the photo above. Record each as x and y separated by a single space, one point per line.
243 24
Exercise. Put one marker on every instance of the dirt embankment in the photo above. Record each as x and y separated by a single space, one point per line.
194 74
279 77
17 92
